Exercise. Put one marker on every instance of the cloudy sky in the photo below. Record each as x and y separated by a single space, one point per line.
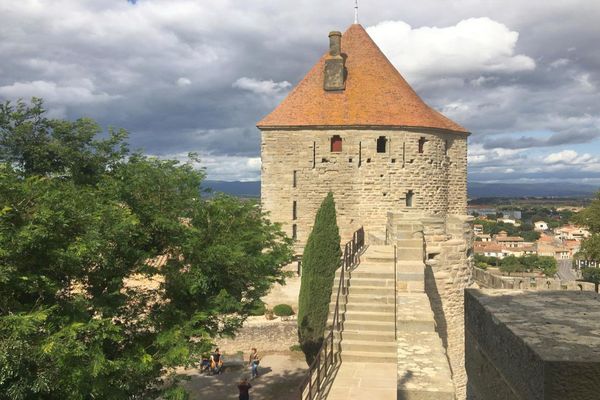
196 75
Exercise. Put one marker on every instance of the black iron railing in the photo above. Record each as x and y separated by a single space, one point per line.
324 363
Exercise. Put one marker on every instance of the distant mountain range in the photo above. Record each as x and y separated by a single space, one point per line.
476 189
550 189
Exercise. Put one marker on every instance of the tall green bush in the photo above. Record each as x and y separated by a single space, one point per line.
320 260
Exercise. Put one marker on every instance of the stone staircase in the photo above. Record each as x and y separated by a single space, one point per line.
389 328
367 341
369 315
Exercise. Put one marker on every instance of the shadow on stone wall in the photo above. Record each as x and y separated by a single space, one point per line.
435 300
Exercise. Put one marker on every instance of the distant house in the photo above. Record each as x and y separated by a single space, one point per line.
509 221
559 252
490 250
509 241
485 237
573 246
477 229
572 232
540 226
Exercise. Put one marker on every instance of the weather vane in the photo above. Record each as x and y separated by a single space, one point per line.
356 11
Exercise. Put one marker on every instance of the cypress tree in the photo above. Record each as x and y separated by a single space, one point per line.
320 260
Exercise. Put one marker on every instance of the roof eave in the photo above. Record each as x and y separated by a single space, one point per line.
363 127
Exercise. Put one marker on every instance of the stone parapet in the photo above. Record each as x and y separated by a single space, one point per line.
526 345
488 280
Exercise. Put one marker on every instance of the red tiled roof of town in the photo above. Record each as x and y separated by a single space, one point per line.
376 95
490 248
510 239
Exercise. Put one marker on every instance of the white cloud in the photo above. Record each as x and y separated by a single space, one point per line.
182 82
570 157
473 46
224 167
267 87
81 91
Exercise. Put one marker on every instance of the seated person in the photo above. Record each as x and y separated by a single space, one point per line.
205 363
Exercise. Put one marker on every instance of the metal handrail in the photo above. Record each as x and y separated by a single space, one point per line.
325 355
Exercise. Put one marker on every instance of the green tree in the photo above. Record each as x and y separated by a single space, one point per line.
510 264
79 219
590 216
530 236
590 248
320 260
591 274
547 265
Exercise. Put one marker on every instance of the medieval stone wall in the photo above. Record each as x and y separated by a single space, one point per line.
299 166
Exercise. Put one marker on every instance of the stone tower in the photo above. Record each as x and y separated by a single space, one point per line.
355 127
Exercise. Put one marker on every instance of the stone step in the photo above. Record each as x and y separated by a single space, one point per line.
376 238
369 346
356 282
375 290
409 243
409 254
370 298
373 273
403 276
410 266
378 326
361 316
364 307
410 286
373 336
367 356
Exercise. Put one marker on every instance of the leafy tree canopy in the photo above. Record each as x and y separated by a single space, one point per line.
80 218
590 216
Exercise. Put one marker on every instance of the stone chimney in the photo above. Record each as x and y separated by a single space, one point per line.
335 71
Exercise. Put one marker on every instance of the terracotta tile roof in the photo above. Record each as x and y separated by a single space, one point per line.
376 95
510 239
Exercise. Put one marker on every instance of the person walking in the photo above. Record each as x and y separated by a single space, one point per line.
254 361
244 387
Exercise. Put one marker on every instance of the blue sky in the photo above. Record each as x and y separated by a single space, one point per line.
195 76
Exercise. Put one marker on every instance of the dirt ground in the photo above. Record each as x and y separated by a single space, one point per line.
279 377
280 372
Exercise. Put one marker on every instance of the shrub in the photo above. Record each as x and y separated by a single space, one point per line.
320 260
283 310
257 308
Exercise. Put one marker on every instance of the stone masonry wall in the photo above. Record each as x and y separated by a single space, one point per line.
366 184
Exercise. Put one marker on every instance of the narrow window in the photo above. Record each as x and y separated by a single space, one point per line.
422 142
336 144
359 153
294 231
295 179
314 154
294 209
445 147
403 154
409 198
381 144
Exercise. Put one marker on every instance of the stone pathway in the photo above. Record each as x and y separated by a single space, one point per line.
369 381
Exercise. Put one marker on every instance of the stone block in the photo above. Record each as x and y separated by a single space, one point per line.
532 345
